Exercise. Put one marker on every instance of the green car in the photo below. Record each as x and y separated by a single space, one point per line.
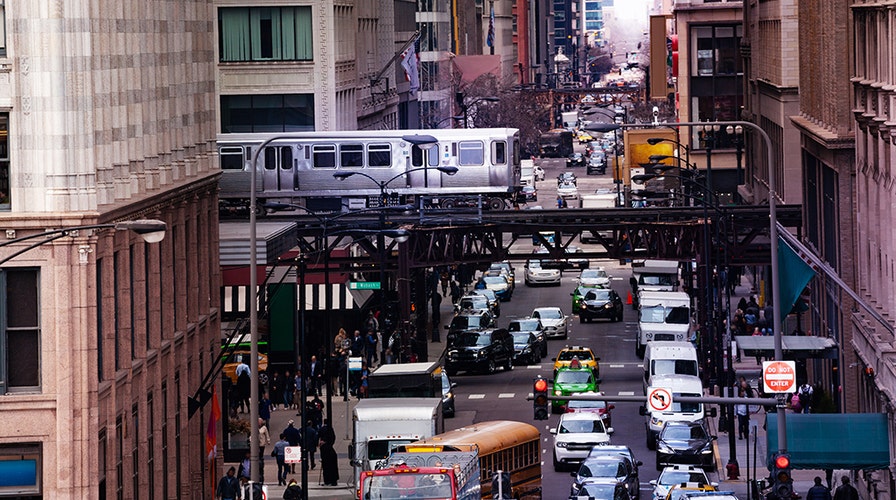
578 298
569 381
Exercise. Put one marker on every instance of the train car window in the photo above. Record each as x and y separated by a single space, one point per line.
324 155
416 156
471 153
270 158
379 155
285 157
231 158
432 156
351 155
499 153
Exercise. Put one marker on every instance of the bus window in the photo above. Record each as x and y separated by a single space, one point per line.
470 153
379 155
231 158
324 155
499 153
351 155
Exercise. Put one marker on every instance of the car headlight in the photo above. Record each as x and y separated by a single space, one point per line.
608 306
706 449
561 444
452 352
558 393
479 354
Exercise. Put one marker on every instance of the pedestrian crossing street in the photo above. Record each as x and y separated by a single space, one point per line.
512 395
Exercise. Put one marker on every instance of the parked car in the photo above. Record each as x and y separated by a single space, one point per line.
483 351
538 275
568 381
532 325
617 467
469 320
599 303
681 442
574 436
594 277
553 320
575 160
678 474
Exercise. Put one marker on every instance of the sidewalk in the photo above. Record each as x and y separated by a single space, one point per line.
342 425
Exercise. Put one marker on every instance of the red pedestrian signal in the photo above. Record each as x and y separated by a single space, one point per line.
540 398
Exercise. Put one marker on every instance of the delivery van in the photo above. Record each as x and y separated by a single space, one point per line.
668 358
663 316
679 411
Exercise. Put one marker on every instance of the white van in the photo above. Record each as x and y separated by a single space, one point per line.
668 358
652 275
678 385
662 316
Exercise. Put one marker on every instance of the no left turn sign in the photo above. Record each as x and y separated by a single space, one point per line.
659 399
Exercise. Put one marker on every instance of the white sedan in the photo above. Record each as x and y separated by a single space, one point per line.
677 474
575 435
568 191
537 275
595 277
553 320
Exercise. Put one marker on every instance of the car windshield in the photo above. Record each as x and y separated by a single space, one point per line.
574 377
568 355
679 407
534 264
581 426
548 314
494 280
490 295
601 469
409 486
680 315
474 339
462 322
598 490
671 477
657 279
603 295
523 325
478 302
521 337
586 405
684 433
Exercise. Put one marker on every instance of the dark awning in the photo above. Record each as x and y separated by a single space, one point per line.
795 347
852 441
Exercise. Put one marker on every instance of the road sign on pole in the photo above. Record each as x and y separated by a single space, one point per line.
659 399
292 454
779 376
355 363
363 285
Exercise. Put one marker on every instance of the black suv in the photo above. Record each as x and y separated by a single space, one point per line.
480 351
469 320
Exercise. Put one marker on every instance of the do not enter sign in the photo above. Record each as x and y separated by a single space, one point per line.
779 376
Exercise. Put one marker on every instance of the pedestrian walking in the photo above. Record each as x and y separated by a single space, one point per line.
264 439
329 462
846 491
276 391
805 396
279 453
243 384
228 486
244 467
371 347
818 492
310 441
289 389
455 292
742 412
316 375
293 437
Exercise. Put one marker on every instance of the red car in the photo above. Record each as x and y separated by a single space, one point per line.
602 408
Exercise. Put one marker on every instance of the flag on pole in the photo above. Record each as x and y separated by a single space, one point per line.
409 63
211 435
794 275
490 38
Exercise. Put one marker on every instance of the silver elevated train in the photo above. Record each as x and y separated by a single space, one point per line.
298 168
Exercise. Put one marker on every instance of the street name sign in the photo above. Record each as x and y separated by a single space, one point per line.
363 285
779 376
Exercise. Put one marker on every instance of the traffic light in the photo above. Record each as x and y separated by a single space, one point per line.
540 398
783 486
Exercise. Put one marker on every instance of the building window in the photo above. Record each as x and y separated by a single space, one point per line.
20 342
119 458
165 478
100 359
4 156
715 50
20 471
135 451
2 28
267 113
265 34
150 448
101 459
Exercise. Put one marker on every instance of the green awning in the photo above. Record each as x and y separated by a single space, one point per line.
853 441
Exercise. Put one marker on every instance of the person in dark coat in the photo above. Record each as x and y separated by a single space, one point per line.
293 491
846 491
309 441
326 432
329 463
228 486
293 437
818 492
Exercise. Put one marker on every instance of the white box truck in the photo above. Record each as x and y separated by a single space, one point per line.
653 275
663 316
380 425
663 357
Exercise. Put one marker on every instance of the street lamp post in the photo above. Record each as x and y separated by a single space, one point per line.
383 185
738 133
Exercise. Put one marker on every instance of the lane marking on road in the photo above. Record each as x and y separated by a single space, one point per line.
506 395
617 366
626 393
476 396
533 367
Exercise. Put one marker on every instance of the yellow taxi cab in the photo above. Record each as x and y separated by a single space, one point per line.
577 357
681 491
231 362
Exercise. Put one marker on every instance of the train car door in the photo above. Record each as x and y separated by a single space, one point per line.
428 177
277 174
